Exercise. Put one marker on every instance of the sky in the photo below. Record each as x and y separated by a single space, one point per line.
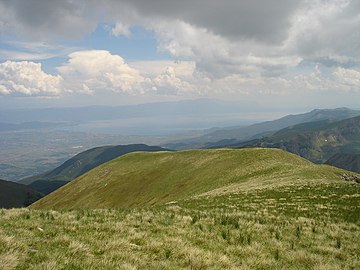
274 53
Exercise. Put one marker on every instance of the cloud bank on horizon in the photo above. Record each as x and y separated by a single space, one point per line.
276 49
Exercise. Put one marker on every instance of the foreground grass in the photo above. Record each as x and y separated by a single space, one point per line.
298 227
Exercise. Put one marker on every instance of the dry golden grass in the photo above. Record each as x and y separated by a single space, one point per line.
300 227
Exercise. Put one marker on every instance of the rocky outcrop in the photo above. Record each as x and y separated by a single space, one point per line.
350 178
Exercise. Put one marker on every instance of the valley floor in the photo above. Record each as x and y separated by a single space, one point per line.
296 227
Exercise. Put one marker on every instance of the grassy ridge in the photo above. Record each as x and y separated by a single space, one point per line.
82 163
146 179
306 226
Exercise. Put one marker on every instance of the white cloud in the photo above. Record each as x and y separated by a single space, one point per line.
121 29
169 84
27 79
325 30
18 55
95 71
21 50
183 69
187 42
98 70
348 78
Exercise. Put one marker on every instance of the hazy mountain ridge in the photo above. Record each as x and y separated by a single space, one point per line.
232 135
315 141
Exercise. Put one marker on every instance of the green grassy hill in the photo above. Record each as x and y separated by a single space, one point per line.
14 195
147 179
82 163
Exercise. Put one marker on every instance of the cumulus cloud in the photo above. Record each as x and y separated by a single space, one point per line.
99 70
96 71
27 79
168 83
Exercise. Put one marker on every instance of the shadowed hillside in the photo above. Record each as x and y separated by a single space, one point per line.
350 162
14 195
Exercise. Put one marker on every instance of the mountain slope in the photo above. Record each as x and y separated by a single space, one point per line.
146 179
315 141
47 186
233 135
13 195
350 162
82 163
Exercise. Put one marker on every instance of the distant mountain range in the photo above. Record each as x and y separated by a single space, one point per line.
82 163
233 135
14 195
316 141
